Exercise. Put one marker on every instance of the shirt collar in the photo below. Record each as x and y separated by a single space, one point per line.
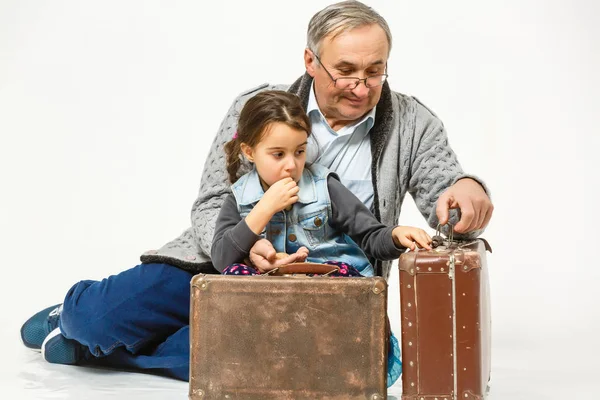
313 108
252 191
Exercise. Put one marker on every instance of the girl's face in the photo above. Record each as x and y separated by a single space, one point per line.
281 153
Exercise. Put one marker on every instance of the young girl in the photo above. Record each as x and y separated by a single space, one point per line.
299 210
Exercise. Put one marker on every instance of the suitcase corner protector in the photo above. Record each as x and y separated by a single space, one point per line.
378 287
199 282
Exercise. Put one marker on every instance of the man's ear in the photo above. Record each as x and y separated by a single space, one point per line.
309 62
247 152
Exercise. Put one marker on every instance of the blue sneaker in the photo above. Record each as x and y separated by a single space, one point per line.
57 349
35 330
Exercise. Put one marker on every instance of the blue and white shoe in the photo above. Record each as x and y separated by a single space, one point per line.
57 349
36 328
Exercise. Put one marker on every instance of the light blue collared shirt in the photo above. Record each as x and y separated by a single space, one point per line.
346 152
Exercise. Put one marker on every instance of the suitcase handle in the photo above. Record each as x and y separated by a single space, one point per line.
303 268
438 240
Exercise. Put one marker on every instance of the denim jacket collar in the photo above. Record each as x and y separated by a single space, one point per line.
251 191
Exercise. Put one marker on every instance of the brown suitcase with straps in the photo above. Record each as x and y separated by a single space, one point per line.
446 325
288 336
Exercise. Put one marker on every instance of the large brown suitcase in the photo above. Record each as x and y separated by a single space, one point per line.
445 314
288 337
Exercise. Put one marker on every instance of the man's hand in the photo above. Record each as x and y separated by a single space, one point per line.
264 257
475 206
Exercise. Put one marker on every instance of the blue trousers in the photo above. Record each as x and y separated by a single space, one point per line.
137 319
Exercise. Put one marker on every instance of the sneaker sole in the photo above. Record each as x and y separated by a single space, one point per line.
52 334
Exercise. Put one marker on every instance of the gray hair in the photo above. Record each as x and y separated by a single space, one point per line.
341 17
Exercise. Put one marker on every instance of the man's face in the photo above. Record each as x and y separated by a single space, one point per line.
281 153
360 52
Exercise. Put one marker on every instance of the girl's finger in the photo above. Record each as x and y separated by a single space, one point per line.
303 249
423 241
407 242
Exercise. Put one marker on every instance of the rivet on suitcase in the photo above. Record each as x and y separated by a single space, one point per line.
445 314
288 337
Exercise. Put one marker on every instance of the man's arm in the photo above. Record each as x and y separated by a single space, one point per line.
437 175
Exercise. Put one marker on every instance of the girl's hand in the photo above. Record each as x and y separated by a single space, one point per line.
411 237
279 196
301 254
264 258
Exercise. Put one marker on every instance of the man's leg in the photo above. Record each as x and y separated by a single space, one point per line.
170 358
136 308
136 319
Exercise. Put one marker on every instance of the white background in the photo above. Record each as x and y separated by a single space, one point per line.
108 109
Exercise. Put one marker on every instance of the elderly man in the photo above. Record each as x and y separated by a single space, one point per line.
381 143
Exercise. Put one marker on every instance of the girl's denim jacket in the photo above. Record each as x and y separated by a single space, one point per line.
306 223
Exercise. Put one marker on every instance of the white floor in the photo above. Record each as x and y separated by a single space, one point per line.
108 109
517 373
29 377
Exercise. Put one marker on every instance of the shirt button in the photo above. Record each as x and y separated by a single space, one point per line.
318 221
292 237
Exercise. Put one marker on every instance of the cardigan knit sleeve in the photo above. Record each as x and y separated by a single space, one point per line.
215 185
434 168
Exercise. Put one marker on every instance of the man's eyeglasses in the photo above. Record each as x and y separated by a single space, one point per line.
350 83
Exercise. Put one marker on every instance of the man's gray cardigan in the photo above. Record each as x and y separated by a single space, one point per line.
410 154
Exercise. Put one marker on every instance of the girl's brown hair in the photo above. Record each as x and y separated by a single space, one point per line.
261 110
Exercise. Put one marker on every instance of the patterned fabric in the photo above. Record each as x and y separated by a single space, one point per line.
345 270
240 269
394 361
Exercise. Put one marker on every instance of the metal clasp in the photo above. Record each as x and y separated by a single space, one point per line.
438 239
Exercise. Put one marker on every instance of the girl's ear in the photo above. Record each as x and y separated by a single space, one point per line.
247 152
